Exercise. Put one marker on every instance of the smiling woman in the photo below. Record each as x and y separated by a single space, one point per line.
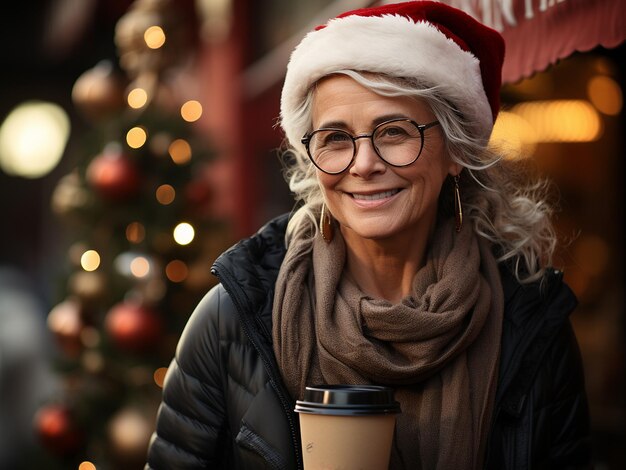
417 259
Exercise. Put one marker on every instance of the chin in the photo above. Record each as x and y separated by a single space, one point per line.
368 231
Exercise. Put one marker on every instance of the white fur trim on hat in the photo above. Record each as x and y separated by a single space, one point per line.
389 44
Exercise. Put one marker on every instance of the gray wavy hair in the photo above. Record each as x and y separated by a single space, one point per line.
499 199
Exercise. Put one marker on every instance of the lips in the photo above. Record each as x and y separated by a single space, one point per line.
375 196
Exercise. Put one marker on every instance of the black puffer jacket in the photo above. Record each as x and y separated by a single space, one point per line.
225 406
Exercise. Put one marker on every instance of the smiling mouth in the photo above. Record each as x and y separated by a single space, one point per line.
375 197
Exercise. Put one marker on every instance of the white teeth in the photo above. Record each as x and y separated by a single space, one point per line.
373 197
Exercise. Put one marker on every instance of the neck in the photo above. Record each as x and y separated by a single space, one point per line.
384 269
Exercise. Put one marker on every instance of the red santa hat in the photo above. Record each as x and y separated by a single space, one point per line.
438 44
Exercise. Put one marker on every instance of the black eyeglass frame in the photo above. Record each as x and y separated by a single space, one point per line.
420 127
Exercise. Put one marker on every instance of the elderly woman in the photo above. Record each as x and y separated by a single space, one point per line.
416 259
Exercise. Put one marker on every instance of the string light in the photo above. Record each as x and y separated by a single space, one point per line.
137 98
154 37
86 466
191 111
180 151
136 137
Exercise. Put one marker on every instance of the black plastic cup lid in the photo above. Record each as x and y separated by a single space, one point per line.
348 400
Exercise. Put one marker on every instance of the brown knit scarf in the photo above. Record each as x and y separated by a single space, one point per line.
438 347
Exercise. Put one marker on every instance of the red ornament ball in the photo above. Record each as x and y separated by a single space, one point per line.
57 430
114 175
133 327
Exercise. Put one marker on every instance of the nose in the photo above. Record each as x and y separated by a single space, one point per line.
366 160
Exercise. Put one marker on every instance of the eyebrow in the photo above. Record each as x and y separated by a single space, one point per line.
375 122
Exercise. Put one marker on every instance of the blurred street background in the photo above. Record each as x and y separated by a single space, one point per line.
138 141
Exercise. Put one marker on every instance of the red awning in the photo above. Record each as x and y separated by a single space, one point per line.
540 32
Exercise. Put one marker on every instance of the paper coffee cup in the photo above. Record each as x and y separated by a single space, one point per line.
347 426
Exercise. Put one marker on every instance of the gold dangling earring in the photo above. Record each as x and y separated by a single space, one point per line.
326 228
458 210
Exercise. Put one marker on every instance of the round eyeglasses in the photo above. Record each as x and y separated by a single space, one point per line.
398 142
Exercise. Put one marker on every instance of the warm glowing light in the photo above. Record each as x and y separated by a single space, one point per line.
159 376
180 151
140 266
191 111
135 232
137 98
184 233
154 37
129 430
33 138
90 260
606 95
165 194
86 466
176 271
561 120
136 137
513 136
65 320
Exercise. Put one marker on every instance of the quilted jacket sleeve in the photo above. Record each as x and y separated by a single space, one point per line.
190 422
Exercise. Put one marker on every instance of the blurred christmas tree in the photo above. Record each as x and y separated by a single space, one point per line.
141 242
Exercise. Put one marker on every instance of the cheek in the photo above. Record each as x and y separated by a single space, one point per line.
326 182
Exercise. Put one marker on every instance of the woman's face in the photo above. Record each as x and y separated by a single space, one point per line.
372 199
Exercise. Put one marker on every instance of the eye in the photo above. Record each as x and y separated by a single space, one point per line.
392 131
396 131
332 137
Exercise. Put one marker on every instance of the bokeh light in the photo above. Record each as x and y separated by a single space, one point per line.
86 466
513 136
137 98
561 120
154 37
165 194
184 233
140 266
33 138
90 260
136 137
176 270
135 232
159 376
606 95
191 111
180 151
